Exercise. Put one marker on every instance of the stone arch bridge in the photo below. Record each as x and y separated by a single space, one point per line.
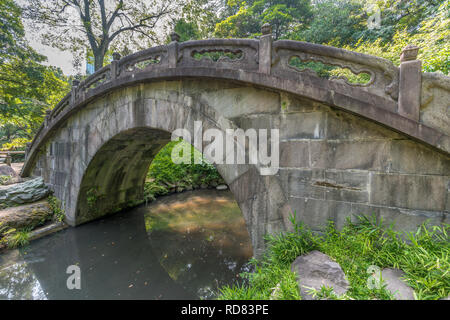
381 147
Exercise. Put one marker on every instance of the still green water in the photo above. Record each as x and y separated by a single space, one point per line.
183 246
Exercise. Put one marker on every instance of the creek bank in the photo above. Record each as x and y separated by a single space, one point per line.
25 204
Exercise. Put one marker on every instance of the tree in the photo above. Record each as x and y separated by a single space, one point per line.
27 88
186 30
432 36
96 25
202 15
401 15
285 17
336 22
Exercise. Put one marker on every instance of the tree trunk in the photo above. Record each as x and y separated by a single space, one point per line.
98 60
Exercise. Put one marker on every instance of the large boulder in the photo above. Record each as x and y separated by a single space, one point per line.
6 170
394 284
21 193
29 215
315 270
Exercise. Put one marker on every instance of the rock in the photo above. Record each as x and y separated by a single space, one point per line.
46 230
222 187
398 287
29 215
203 186
25 192
315 270
446 298
6 170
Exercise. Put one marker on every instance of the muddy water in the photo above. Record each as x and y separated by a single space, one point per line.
182 246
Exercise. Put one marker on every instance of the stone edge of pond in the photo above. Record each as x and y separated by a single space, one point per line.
47 229
40 232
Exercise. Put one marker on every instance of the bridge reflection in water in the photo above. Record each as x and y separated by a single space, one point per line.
181 247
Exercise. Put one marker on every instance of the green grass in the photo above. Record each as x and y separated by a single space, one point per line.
4 179
163 174
424 257
13 238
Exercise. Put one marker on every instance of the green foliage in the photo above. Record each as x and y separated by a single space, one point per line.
424 258
187 30
164 174
4 179
335 22
27 88
247 17
216 55
343 23
327 71
91 199
432 36
56 206
13 238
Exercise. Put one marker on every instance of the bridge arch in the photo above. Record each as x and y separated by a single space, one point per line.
344 149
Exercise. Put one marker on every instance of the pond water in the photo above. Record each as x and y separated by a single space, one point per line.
182 246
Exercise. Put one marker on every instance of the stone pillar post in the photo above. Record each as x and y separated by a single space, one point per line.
410 83
265 49
73 95
173 50
115 65
47 117
8 159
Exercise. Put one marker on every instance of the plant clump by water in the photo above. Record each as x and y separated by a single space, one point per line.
423 256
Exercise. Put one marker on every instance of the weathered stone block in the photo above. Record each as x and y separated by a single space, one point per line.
314 213
300 183
345 126
410 86
294 154
363 155
401 219
408 191
241 101
294 104
350 179
347 195
247 185
304 125
410 157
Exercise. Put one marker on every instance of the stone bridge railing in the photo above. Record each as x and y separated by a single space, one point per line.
391 95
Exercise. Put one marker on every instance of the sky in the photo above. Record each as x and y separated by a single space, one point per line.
55 57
